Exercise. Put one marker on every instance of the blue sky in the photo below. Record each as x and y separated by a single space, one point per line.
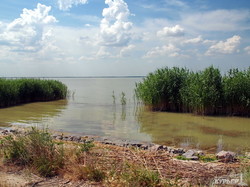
121 37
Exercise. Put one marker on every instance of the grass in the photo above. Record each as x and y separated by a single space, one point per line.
180 157
205 92
246 175
138 177
18 91
103 165
204 158
208 158
36 150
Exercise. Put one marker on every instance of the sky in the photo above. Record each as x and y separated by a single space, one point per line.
121 37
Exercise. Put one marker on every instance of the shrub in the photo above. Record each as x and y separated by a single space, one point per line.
36 150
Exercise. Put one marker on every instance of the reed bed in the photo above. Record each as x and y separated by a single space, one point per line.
204 92
18 91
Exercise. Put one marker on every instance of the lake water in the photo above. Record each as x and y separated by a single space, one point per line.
93 110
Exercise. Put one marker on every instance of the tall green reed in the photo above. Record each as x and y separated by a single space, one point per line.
18 91
205 92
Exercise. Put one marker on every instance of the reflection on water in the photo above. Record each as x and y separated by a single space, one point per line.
187 130
95 109
33 113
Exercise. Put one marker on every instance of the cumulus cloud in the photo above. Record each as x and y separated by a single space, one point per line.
196 40
175 31
27 33
126 50
227 47
67 4
169 50
247 49
115 27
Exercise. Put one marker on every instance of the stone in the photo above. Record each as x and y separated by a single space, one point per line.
13 131
59 137
191 154
179 151
200 153
165 147
76 138
144 146
156 147
5 132
226 156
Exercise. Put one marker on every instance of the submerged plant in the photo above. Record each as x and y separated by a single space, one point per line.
123 99
113 96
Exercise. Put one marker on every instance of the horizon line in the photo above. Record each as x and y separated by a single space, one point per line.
122 76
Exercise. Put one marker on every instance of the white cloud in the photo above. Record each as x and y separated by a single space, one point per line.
126 50
175 31
67 4
115 27
227 47
176 3
196 40
247 49
28 33
217 20
169 50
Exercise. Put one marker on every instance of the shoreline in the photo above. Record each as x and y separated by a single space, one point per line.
152 157
120 142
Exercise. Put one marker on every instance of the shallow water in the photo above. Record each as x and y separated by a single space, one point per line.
92 110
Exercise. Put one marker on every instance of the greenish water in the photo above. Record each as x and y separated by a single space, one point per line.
92 110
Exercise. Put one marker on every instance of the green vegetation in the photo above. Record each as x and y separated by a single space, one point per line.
113 96
36 150
208 158
98 164
86 146
18 91
123 99
205 92
180 157
246 176
141 177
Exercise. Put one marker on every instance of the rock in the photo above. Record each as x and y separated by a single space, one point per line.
144 146
138 145
165 148
156 147
226 156
200 153
191 154
59 137
76 138
179 151
5 132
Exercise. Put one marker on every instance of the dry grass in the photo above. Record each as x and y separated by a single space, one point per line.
119 166
108 165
